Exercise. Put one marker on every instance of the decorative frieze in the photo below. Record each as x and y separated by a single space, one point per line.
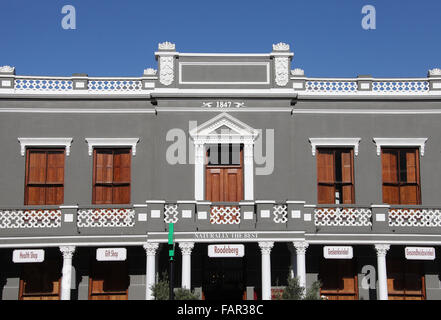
280 213
356 217
26 219
171 213
225 215
105 218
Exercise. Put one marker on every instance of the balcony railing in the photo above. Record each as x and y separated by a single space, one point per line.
194 216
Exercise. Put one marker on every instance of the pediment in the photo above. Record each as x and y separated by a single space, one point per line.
224 125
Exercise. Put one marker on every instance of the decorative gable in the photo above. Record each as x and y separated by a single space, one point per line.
224 128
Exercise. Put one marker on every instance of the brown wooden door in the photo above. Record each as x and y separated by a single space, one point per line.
339 279
109 281
405 280
40 281
224 179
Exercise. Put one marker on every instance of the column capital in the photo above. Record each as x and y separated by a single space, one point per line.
382 249
186 247
67 251
301 246
266 246
150 248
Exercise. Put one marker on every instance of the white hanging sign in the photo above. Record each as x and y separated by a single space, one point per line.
338 252
226 250
111 254
28 256
420 253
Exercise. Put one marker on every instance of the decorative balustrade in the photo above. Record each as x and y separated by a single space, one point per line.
401 86
114 85
222 214
343 217
331 86
43 84
403 217
105 218
280 213
16 219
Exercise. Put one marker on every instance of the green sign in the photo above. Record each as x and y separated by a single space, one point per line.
171 245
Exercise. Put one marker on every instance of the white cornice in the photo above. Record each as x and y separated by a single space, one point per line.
44 142
112 142
400 142
335 142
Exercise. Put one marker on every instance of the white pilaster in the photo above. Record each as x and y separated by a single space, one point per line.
382 272
186 248
150 252
66 276
301 247
265 247
248 171
199 171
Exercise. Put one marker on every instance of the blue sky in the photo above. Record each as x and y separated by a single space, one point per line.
118 38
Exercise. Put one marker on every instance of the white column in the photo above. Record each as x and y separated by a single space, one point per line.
150 252
301 247
266 247
382 272
199 159
66 276
248 171
293 258
186 248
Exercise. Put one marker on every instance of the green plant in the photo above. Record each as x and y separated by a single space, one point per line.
293 291
185 294
160 290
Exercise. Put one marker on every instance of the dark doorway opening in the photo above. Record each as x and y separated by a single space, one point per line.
224 279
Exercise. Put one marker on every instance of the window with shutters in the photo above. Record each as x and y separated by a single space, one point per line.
335 175
111 176
44 182
401 176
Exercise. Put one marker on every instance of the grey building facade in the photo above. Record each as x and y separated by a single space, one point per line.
332 179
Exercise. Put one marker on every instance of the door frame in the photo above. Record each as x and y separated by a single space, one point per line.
236 132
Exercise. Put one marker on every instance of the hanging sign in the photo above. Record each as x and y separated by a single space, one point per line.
27 256
420 253
226 250
111 254
338 252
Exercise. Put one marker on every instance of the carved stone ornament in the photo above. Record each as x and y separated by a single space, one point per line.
186 247
67 251
281 70
266 246
382 249
166 71
301 247
166 46
150 248
281 46
7 69
435 72
298 72
150 72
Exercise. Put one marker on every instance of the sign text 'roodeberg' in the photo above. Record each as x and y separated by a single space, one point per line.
226 250
338 252
27 256
111 254
420 253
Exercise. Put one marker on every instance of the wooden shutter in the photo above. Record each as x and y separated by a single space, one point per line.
103 176
389 159
325 176
44 177
55 177
121 176
409 190
347 172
